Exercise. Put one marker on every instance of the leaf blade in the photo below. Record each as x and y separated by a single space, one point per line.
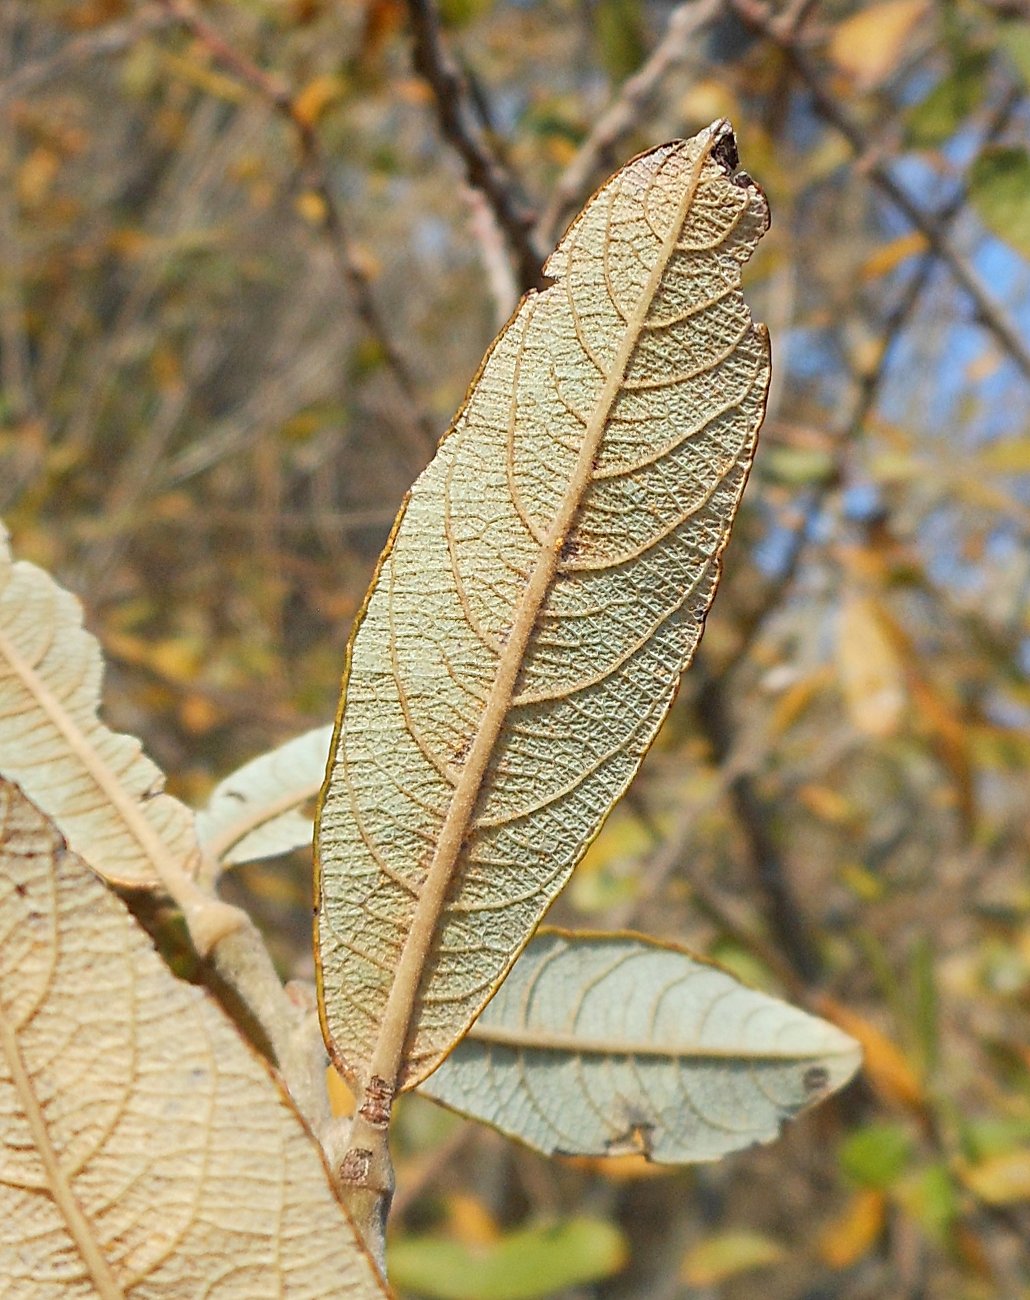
604 1044
133 1102
253 813
100 788
584 492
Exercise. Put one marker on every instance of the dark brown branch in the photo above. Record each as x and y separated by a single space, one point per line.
783 913
785 36
460 126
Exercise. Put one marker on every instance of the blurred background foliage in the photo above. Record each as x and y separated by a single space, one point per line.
243 284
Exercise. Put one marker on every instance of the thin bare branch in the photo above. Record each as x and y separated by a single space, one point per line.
460 127
274 91
493 254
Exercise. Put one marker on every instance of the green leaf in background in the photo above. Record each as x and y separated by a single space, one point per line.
621 36
607 1044
1015 41
520 1265
950 102
929 1196
799 466
876 1156
999 190
727 1255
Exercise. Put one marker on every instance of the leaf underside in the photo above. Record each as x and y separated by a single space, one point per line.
146 1150
542 591
103 792
255 812
603 1045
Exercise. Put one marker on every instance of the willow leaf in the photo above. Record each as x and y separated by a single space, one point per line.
105 795
542 591
254 813
146 1150
601 1044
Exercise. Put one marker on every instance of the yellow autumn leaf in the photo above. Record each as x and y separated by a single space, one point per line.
872 676
543 589
318 95
847 1238
868 44
1002 1179
888 256
885 1065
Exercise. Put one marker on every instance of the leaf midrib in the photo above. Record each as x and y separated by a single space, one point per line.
387 1057
79 1227
81 747
524 1039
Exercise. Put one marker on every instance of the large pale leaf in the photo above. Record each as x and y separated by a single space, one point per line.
540 595
103 792
254 813
606 1044
146 1149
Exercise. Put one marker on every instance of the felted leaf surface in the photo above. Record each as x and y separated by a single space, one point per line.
541 593
254 813
608 1044
99 787
145 1149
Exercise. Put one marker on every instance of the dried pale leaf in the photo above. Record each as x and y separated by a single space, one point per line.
254 813
146 1149
99 787
539 597
605 1044
872 675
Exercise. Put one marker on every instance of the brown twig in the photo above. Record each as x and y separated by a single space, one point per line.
624 112
785 36
273 91
782 910
460 126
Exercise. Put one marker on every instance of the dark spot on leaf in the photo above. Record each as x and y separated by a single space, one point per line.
638 1140
743 179
724 151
